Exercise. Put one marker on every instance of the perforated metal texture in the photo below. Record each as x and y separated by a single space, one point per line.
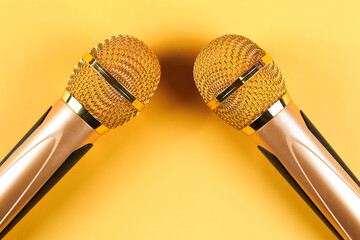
223 61
131 63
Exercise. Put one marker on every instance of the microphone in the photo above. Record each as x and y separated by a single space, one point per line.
108 87
241 83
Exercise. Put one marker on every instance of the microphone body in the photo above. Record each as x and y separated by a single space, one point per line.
242 84
110 85
59 133
311 166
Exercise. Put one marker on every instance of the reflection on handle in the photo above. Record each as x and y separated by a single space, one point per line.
65 167
36 125
282 170
39 160
323 141
312 167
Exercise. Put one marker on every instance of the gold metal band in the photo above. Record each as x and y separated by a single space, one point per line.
266 59
213 104
239 82
83 113
113 82
138 105
276 108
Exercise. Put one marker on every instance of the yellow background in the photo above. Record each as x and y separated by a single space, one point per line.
177 171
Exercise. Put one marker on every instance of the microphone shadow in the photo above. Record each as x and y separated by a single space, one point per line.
177 86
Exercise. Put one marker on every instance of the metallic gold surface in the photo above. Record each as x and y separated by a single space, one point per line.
110 79
36 160
267 115
131 63
321 177
221 62
85 115
249 73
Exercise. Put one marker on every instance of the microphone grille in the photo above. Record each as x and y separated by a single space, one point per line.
131 63
223 61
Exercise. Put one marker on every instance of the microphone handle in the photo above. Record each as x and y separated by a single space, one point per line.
54 144
300 153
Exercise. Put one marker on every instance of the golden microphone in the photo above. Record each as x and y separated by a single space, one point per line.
108 87
241 83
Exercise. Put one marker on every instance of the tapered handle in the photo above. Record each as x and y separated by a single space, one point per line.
41 158
312 167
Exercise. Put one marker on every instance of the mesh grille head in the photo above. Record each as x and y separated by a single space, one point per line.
131 63
223 61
